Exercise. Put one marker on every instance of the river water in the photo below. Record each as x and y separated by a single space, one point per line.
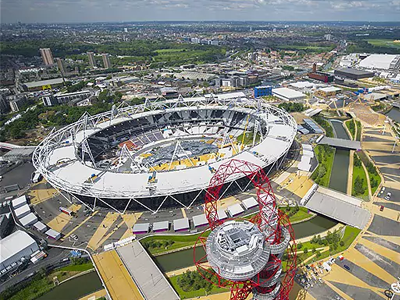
339 175
75 288
183 259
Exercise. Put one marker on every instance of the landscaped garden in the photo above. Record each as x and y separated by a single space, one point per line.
360 183
325 156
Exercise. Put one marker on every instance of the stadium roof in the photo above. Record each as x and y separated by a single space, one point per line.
379 61
14 243
250 202
199 220
181 224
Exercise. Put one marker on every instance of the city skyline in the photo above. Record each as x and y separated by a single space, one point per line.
45 11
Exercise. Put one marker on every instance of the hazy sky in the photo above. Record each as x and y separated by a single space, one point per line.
147 10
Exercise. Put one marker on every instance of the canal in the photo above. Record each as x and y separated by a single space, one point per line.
183 259
339 175
75 288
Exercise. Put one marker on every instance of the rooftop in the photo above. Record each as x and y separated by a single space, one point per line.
14 243
33 84
379 61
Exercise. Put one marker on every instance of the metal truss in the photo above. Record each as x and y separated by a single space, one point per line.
75 135
272 222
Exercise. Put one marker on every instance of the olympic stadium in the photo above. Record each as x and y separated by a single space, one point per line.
163 153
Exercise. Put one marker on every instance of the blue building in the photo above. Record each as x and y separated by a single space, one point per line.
260 91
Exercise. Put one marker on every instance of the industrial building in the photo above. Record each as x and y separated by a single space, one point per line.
260 91
328 91
354 74
321 76
390 62
288 94
16 246
43 84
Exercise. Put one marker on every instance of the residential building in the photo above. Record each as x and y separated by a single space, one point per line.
49 100
106 61
47 56
72 98
17 102
4 105
60 65
92 62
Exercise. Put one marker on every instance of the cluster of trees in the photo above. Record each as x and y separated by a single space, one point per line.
372 170
63 115
333 240
193 281
359 187
325 124
362 46
71 88
157 244
292 106
291 211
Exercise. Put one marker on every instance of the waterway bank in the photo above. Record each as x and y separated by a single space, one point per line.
184 259
75 288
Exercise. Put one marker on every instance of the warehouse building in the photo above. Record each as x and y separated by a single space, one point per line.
16 246
328 91
390 62
354 74
43 84
288 94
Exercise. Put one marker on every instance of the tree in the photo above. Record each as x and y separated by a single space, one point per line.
299 245
305 250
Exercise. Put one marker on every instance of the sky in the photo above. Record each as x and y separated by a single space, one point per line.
58 11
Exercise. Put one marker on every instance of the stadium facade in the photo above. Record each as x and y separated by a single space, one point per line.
70 159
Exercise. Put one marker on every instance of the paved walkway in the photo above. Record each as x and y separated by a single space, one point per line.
116 277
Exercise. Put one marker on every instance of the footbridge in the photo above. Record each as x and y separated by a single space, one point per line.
340 143
337 206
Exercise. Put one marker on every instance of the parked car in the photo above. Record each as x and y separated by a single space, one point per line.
347 267
381 208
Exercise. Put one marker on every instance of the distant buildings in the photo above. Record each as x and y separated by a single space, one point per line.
60 65
389 62
321 76
92 62
288 94
17 102
260 91
354 74
47 56
106 61
42 85
4 105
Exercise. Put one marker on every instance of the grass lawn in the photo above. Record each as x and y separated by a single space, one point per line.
328 163
300 215
248 138
384 43
359 171
180 241
192 294
351 127
80 268
376 177
359 129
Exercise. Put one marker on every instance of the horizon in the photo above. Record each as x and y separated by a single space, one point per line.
78 11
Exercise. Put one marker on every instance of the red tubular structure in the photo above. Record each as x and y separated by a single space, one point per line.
269 220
